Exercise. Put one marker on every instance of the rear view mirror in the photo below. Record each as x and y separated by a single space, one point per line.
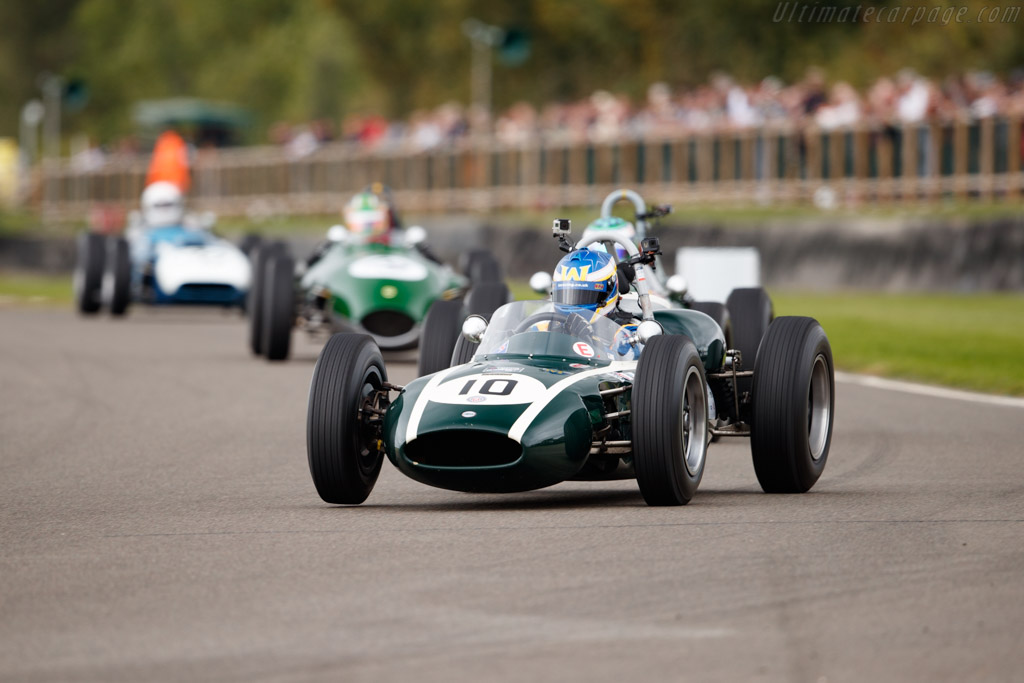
473 328
540 282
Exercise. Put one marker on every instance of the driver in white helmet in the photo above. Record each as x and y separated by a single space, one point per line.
163 205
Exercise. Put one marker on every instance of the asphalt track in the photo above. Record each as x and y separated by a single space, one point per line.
159 523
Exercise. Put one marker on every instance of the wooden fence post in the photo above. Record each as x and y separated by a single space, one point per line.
986 158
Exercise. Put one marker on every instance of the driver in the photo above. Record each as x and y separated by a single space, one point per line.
163 205
585 286
368 217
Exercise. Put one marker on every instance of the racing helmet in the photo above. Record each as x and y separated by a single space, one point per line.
367 216
585 282
163 205
608 224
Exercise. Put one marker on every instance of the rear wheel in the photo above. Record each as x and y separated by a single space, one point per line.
793 405
670 420
117 278
278 306
90 256
441 330
343 424
464 351
480 266
750 309
487 297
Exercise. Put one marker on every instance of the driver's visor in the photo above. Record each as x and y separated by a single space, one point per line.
571 293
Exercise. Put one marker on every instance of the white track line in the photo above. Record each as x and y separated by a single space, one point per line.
927 390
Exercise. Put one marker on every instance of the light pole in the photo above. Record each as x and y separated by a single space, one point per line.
53 89
484 38
28 142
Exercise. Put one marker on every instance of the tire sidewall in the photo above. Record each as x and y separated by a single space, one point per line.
334 434
664 478
278 306
809 470
780 443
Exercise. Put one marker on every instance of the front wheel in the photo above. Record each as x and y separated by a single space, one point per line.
793 405
278 306
670 420
347 399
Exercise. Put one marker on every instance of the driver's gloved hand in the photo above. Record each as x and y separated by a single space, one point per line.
576 326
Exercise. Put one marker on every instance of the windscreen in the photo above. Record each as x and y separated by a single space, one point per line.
538 328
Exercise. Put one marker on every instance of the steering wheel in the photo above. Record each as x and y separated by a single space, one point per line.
573 324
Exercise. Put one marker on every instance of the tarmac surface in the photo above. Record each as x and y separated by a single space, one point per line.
159 524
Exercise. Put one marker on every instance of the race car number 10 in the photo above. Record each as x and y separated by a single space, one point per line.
492 387
488 390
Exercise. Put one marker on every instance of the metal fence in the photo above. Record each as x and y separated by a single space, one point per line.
847 167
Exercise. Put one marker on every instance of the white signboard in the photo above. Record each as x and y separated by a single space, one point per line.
712 272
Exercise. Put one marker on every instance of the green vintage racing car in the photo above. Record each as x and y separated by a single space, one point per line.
351 285
545 400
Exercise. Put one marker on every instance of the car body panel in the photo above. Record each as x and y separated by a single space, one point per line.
363 280
184 265
501 425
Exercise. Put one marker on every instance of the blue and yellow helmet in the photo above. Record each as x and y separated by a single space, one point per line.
585 282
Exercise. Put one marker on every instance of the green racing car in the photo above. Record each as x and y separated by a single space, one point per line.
369 276
548 396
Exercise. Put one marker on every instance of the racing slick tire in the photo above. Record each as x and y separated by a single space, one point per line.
254 299
441 330
793 405
487 297
278 306
117 276
750 310
670 420
90 255
342 439
480 266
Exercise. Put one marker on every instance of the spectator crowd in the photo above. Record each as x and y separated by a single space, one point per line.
721 104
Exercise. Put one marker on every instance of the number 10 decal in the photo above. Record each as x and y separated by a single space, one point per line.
488 387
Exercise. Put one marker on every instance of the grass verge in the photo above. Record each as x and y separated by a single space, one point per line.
33 289
971 341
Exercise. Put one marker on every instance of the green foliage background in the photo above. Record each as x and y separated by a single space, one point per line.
301 59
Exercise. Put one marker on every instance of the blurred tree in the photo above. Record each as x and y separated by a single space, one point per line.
296 61
32 40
